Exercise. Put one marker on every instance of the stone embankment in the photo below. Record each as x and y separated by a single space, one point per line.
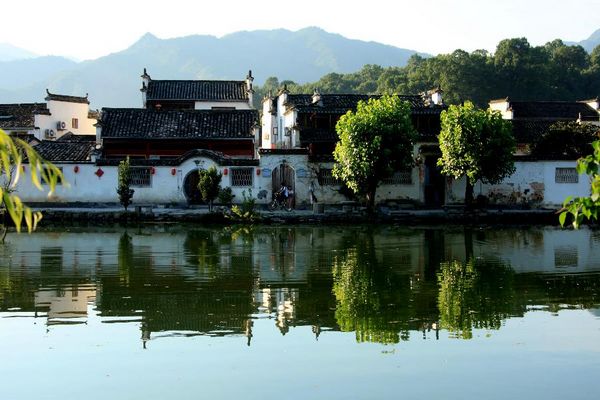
334 215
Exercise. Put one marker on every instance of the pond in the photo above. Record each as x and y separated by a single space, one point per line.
361 312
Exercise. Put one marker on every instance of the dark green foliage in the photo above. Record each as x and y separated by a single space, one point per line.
566 140
375 141
554 71
123 189
209 182
225 196
477 144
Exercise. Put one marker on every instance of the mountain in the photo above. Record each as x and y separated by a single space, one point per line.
22 73
8 52
590 43
302 56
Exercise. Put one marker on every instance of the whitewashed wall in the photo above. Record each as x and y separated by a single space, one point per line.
208 105
532 184
65 111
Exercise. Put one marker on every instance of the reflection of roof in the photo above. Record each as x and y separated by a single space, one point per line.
197 90
139 123
341 103
20 115
56 151
557 110
65 98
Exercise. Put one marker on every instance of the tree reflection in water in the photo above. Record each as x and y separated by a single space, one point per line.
477 294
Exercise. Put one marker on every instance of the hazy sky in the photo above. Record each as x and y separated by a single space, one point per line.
89 29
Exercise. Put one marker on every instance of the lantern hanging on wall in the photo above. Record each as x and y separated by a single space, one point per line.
173 171
225 171
76 169
99 172
152 170
257 171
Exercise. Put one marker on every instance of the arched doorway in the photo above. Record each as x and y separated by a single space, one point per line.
190 188
285 174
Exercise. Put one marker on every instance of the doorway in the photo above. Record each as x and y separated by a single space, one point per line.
434 183
284 174
190 188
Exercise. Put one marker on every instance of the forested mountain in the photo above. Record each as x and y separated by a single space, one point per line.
8 52
554 71
113 80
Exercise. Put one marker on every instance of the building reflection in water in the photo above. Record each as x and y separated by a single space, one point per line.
381 284
63 304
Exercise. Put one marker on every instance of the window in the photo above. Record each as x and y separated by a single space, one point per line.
222 108
566 175
241 176
58 181
326 178
140 176
74 123
399 178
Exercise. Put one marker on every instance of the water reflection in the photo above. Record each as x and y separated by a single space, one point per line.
385 284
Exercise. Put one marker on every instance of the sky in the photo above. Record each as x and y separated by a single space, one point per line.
84 29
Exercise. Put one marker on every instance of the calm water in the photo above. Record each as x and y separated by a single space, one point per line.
303 312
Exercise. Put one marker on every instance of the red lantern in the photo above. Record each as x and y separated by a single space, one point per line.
225 171
99 172
152 170
257 171
173 171
76 169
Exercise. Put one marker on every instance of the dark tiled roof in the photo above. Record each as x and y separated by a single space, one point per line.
136 123
57 151
527 131
314 135
556 110
197 90
20 115
68 99
341 103
72 137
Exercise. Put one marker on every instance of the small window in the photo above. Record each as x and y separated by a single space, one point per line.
140 176
566 175
241 176
326 177
74 123
223 108
399 178
59 181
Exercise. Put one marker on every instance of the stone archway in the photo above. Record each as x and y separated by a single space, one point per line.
285 174
190 188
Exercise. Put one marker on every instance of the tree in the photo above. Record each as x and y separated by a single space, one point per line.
375 141
582 208
477 144
209 185
566 140
13 153
123 189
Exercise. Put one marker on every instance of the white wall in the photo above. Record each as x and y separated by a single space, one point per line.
207 105
532 184
64 111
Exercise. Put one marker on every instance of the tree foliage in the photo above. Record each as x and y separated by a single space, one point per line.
554 71
374 141
566 140
124 184
209 185
476 144
13 153
585 208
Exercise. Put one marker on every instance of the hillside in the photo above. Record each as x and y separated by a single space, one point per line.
113 80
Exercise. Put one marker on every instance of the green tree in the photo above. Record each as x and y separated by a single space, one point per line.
13 153
209 185
585 208
124 184
374 141
566 140
477 144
